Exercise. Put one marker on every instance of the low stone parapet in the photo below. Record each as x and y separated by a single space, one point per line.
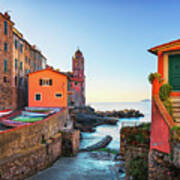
70 142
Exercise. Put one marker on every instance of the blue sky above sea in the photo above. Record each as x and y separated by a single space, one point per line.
114 36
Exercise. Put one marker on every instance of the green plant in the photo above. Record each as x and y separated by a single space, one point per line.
164 92
175 134
154 75
138 167
109 150
168 105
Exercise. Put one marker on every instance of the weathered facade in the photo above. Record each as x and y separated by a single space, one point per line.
17 59
47 88
77 81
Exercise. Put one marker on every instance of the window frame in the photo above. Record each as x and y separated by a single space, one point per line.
59 97
36 95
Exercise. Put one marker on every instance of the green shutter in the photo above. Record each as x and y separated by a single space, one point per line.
5 28
5 65
16 63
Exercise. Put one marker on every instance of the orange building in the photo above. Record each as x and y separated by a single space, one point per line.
47 88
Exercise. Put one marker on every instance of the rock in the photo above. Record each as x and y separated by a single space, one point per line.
101 144
121 114
121 171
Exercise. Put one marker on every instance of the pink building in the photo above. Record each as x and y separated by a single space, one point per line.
77 81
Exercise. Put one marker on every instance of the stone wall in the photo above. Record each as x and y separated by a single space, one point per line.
15 140
25 151
136 162
70 144
30 161
134 148
163 166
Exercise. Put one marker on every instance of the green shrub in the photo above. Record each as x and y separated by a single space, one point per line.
168 105
154 75
138 168
164 92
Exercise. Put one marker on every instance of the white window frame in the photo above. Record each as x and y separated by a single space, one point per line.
58 96
40 96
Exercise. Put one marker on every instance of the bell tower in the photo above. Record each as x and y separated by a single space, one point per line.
78 65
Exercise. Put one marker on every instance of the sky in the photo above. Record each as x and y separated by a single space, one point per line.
113 35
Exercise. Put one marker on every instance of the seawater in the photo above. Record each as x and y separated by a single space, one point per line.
114 130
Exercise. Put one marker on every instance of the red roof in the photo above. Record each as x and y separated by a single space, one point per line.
173 45
49 69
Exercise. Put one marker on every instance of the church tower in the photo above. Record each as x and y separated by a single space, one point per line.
78 65
78 79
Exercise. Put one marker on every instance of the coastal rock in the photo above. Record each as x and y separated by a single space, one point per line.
101 144
121 114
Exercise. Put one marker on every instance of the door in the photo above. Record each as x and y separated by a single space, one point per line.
174 71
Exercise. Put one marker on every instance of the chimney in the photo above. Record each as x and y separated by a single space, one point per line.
7 16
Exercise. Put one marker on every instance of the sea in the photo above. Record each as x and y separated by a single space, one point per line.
114 130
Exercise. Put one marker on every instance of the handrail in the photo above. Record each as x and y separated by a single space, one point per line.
166 116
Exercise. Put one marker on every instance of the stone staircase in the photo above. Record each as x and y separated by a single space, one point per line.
176 109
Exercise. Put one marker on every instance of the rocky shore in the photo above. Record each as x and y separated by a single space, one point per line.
86 118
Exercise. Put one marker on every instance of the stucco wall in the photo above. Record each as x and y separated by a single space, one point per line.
159 131
48 98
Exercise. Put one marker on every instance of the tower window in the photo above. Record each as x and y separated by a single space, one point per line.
37 97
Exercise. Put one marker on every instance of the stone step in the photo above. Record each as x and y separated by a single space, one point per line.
176 105
177 124
175 109
176 115
175 99
177 120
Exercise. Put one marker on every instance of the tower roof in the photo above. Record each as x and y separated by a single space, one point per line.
78 53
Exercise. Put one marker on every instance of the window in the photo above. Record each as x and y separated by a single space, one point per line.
16 43
40 82
5 28
58 95
26 71
26 59
37 97
15 80
5 47
21 66
21 48
5 65
16 64
45 82
5 79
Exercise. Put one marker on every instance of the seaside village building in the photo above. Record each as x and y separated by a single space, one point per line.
48 88
18 58
169 67
51 88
